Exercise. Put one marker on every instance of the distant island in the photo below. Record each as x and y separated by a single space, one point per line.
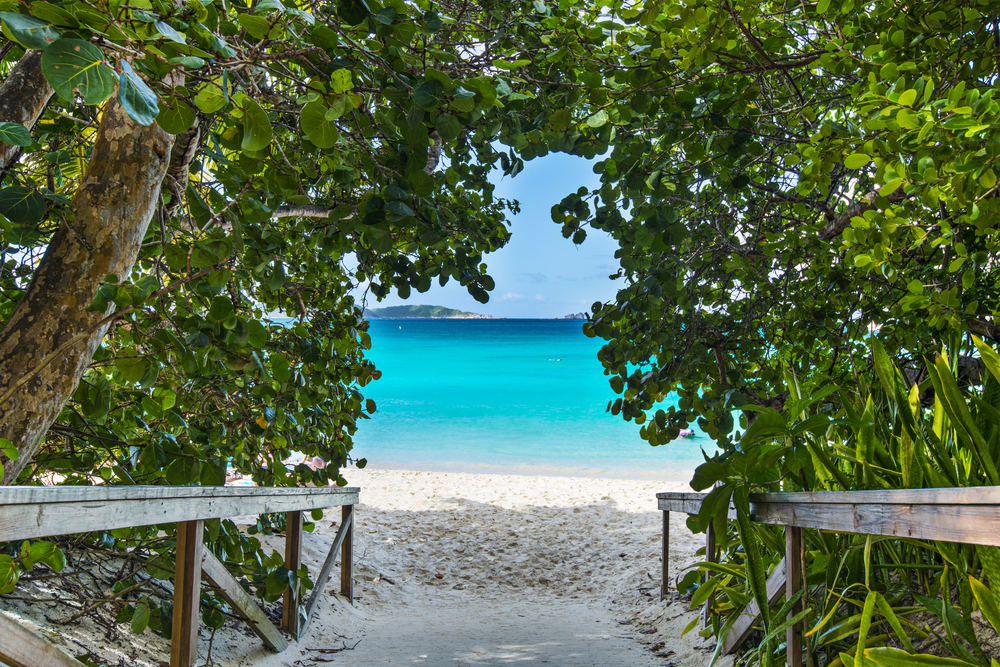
422 312
575 316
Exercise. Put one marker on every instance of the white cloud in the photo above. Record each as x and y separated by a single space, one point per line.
539 297
512 296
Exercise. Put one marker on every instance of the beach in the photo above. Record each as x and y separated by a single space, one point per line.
466 569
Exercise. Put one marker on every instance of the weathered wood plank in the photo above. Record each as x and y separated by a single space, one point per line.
30 495
324 573
975 524
793 582
21 647
680 495
744 624
347 555
187 593
688 505
665 558
973 495
293 561
684 505
24 521
215 573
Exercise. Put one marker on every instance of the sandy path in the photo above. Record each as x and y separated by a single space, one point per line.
554 632
460 569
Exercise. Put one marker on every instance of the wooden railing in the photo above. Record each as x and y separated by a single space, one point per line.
38 511
965 515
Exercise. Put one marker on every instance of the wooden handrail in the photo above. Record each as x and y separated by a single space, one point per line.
42 511
969 515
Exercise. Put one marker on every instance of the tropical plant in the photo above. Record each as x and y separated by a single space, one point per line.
863 590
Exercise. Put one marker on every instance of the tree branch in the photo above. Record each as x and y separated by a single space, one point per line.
23 97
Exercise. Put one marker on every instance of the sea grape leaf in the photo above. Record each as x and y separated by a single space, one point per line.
73 64
211 97
353 12
175 117
21 205
138 99
169 32
15 134
429 93
257 132
29 31
318 128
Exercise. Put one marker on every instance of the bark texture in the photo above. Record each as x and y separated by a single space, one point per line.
113 207
23 97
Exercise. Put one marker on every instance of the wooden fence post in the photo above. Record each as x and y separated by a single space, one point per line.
793 582
665 570
187 591
293 561
347 555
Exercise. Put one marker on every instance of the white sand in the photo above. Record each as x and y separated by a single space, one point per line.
460 569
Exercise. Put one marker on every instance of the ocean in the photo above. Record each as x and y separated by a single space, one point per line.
504 396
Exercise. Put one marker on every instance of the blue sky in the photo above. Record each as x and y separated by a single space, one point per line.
538 273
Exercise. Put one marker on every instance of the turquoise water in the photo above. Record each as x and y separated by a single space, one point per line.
513 396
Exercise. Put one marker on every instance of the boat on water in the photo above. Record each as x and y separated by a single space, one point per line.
686 433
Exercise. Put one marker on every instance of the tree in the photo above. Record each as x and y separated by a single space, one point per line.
174 173
781 180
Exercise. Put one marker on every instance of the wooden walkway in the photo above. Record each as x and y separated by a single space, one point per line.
28 512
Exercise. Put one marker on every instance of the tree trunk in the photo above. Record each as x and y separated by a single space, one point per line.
23 97
117 197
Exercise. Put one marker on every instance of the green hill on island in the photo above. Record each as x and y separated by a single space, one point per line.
432 312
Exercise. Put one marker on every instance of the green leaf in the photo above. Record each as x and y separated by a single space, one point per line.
318 128
183 470
987 602
221 310
175 117
353 12
15 134
341 81
257 132
8 449
599 119
257 26
268 5
191 62
907 97
169 32
29 31
138 100
73 64
140 618
21 205
429 93
47 553
396 210
856 160
387 16
258 333
9 574
894 657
